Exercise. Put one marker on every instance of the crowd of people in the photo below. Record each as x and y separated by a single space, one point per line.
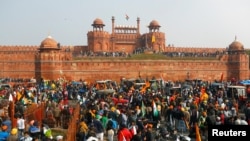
127 113
24 94
136 113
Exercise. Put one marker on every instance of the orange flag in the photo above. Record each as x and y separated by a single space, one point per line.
221 77
197 133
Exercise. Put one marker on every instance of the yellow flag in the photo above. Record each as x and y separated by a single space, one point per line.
19 95
153 38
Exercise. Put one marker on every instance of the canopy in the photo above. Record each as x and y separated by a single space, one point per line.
245 82
186 86
105 91
76 83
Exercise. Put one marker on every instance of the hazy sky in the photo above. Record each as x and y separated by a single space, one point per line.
186 23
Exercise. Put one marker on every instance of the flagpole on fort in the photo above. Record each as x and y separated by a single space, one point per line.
188 75
146 38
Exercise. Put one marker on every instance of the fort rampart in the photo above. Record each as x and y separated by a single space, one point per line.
50 60
25 63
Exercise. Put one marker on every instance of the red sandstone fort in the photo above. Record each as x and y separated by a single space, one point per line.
50 60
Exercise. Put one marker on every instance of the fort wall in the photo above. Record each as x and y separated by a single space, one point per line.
26 62
115 69
168 70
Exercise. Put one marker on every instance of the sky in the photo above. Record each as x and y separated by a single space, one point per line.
186 23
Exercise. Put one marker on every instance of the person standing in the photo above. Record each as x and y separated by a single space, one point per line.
83 130
90 115
137 137
104 119
148 133
57 115
110 129
169 115
133 128
3 133
91 136
34 129
20 126
99 128
7 122
247 113
124 134
194 116
13 135
26 137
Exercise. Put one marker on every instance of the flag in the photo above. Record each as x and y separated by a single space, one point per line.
133 130
197 133
10 97
143 109
153 38
155 110
127 17
19 96
123 137
147 84
221 77
162 82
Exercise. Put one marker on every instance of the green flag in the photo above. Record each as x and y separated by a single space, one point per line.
143 109
155 110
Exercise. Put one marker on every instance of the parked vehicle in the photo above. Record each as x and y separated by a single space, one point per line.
216 86
5 86
247 84
104 87
238 93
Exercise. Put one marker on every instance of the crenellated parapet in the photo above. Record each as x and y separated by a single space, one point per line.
194 49
98 33
18 48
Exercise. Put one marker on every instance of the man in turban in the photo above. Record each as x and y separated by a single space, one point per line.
13 135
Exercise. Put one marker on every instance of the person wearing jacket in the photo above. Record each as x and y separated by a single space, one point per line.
3 133
149 133
124 134
26 137
83 130
34 130
99 128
